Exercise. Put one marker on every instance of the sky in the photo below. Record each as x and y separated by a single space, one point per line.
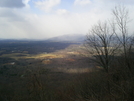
42 19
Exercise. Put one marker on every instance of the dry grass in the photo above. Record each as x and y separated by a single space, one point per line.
73 70
38 56
15 56
46 56
47 61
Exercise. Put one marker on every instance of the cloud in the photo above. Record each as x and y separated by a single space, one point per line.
11 28
28 23
53 25
47 5
82 2
26 2
34 26
10 15
62 12
12 3
115 2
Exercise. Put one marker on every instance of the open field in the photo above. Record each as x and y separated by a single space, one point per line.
66 60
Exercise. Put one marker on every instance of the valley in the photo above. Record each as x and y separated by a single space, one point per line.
27 66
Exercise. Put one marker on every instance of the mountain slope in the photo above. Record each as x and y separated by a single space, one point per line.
68 38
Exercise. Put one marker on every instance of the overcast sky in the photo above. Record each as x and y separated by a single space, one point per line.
41 19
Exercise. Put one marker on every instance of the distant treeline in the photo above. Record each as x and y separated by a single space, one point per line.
31 47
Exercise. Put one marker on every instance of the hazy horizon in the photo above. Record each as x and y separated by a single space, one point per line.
43 19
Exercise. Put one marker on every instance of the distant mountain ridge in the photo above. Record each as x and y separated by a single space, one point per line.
68 38
62 38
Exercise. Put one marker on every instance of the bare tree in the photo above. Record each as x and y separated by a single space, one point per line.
102 43
107 40
104 39
121 19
